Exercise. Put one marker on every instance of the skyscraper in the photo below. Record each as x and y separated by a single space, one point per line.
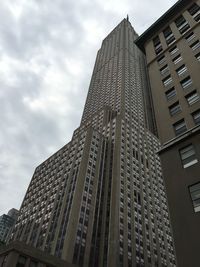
172 48
7 221
100 200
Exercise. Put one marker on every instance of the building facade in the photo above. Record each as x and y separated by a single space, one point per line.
172 48
7 221
100 200
19 254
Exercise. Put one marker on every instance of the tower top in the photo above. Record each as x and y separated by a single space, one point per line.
127 18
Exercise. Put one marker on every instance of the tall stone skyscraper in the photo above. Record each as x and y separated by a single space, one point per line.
100 200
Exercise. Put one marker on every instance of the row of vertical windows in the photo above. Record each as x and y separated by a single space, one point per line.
185 83
191 99
169 36
137 206
194 11
182 25
189 158
161 60
157 45
180 126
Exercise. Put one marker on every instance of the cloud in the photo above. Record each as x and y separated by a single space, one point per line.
47 53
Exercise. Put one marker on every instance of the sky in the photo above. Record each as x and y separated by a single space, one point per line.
47 54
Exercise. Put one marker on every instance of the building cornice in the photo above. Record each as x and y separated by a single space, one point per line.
161 22
175 141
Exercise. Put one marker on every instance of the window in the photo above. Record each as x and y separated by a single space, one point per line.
167 80
192 98
164 70
186 82
195 196
177 59
194 11
188 156
174 109
182 24
190 36
195 45
169 37
157 45
198 56
173 50
196 117
171 93
161 60
180 71
180 127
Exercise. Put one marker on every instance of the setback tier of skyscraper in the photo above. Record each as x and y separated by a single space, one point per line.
100 200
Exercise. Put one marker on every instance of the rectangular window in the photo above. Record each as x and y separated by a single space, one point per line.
174 109
195 196
194 11
182 24
157 45
164 70
180 127
195 45
169 37
198 56
161 60
196 117
181 70
188 156
192 98
190 36
185 83
173 50
170 94
167 80
177 59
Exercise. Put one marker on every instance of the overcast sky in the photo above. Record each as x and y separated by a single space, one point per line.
47 53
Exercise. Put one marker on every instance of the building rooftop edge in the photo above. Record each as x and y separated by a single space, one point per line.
160 22
179 139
